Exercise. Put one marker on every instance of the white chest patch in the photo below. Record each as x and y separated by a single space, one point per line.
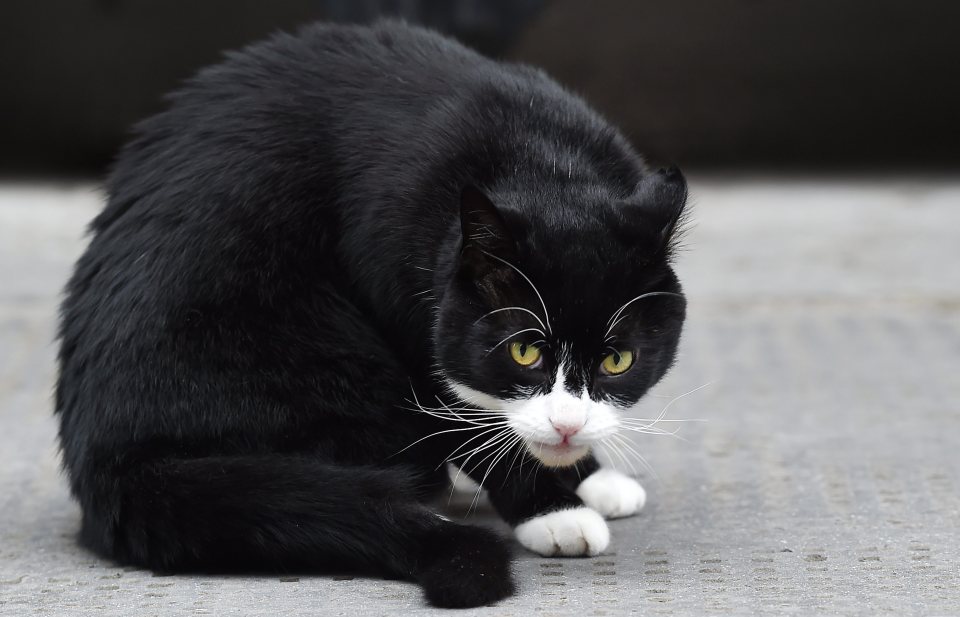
612 494
575 532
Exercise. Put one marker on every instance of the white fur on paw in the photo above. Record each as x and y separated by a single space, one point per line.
570 533
612 493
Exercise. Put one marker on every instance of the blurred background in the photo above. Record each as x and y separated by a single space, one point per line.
773 84
821 139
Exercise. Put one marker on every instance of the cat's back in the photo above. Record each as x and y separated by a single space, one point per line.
312 108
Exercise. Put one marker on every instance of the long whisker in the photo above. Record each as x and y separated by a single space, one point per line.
490 351
499 437
629 448
616 450
449 430
500 428
492 440
513 308
513 462
649 294
663 420
677 398
500 452
546 314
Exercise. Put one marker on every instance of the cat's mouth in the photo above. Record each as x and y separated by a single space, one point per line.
563 454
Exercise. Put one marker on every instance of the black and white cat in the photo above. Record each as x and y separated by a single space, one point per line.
338 261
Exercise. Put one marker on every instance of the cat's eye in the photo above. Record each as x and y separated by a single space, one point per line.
616 363
523 354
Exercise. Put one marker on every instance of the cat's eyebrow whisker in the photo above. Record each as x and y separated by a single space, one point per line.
546 314
514 308
649 294
614 325
490 351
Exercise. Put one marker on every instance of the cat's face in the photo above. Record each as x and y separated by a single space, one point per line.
563 313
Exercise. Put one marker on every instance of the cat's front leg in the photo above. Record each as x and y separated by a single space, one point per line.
612 493
547 515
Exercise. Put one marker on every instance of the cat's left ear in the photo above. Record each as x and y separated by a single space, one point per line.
663 201
487 245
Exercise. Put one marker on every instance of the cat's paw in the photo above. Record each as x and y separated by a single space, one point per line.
463 566
575 532
612 494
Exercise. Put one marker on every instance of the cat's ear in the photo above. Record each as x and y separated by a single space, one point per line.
663 200
486 243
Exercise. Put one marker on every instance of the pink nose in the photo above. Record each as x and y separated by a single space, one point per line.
566 428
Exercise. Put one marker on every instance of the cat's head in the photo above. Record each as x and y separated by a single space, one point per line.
562 310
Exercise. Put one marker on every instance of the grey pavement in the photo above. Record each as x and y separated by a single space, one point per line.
823 479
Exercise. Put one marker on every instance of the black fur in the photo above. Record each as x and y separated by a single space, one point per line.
280 268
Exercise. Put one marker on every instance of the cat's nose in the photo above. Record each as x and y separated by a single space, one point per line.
566 427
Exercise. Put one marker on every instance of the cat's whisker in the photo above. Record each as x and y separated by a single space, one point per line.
493 441
677 398
468 406
631 450
449 430
455 412
451 417
490 351
664 420
614 450
503 450
514 308
460 466
660 433
445 413
614 325
546 314
454 455
513 462
620 310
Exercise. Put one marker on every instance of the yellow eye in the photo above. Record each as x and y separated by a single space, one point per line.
523 354
617 362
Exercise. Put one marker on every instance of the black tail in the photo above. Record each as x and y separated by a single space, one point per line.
289 513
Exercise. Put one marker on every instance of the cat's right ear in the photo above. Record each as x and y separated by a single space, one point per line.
486 247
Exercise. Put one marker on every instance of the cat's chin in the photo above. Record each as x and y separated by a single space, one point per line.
557 456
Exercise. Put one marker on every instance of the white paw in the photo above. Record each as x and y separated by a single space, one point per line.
612 493
571 533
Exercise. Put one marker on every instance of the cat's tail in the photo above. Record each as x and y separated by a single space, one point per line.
272 512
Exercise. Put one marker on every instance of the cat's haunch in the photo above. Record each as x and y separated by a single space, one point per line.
339 262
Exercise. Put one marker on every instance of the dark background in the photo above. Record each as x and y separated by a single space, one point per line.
769 84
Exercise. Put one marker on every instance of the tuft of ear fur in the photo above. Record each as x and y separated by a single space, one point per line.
663 197
487 245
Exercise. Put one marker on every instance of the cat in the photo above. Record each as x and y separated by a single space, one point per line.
338 261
